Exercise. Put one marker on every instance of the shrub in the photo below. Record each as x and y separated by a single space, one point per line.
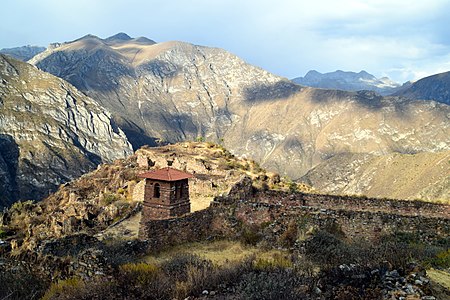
3 234
21 284
140 273
63 287
292 187
326 249
289 236
250 235
109 198
179 265
442 259
278 261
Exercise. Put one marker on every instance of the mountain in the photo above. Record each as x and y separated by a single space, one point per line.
422 176
23 53
348 81
174 91
435 87
49 132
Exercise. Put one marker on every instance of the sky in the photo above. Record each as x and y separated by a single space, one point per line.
404 40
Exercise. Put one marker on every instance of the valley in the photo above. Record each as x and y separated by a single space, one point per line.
175 91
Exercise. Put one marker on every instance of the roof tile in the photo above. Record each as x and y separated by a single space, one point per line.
166 174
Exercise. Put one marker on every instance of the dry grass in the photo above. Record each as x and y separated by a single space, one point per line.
126 230
219 252
200 202
441 277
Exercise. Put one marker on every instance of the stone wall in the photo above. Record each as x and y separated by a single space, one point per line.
139 191
399 207
272 211
164 233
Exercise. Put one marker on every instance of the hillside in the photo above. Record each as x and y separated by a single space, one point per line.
260 237
435 87
49 133
175 91
348 81
96 200
423 176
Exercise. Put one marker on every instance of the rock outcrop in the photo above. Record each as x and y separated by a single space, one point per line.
50 133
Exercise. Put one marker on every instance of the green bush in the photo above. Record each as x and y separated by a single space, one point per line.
178 266
250 235
278 261
63 287
109 198
289 236
442 259
140 273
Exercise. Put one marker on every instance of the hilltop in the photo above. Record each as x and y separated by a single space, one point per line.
100 198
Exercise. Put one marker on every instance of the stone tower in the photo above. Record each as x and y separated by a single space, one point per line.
165 194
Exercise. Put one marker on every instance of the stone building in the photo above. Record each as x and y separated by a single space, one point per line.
165 194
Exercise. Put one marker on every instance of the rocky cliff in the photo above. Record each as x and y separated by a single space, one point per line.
348 81
49 132
174 91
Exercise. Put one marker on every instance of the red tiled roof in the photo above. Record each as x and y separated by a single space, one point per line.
166 174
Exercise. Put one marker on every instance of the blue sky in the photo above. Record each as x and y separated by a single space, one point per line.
404 40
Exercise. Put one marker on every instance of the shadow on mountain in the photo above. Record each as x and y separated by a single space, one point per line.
178 127
368 99
9 157
269 92
100 70
138 138
159 68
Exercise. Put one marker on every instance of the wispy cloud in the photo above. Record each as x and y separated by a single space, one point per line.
398 38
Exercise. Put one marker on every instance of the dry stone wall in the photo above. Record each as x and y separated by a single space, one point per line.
272 211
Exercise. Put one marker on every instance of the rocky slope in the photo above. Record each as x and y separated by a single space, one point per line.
176 91
348 81
23 53
435 87
49 132
404 176
99 198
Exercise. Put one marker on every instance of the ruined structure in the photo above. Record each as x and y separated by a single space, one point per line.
164 193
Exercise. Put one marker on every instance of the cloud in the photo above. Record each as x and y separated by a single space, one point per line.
286 37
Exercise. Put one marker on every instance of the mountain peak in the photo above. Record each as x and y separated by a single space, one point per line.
121 36
348 81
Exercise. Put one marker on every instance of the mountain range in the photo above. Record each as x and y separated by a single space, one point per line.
23 53
435 87
167 92
350 81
